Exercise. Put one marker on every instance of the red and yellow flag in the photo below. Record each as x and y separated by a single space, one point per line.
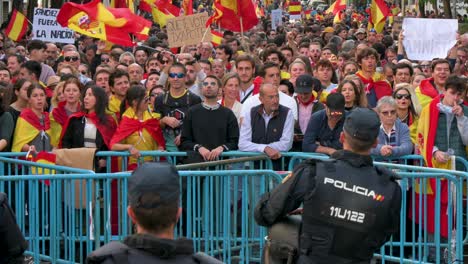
111 24
28 128
217 38
187 6
338 18
123 4
229 14
378 14
307 14
295 8
44 158
17 27
162 10
336 7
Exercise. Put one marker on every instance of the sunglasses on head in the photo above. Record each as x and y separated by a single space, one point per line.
209 83
178 75
401 96
74 58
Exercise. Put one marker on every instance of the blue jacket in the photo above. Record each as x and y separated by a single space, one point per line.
404 146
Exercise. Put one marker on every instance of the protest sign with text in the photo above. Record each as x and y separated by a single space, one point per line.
276 18
46 28
426 39
187 30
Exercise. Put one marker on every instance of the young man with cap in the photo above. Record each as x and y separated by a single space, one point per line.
308 89
153 192
370 217
325 126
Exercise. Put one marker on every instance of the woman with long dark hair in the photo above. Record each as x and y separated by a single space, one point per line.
354 97
91 127
139 128
19 100
32 132
59 115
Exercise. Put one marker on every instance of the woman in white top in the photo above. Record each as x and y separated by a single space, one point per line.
231 84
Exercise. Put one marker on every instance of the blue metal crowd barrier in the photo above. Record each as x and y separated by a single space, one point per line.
78 211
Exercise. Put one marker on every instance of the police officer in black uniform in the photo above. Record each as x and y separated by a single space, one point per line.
350 207
153 191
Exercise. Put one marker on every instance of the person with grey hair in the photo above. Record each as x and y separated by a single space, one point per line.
127 58
348 45
394 137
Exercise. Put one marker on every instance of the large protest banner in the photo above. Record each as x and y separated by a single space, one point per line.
46 28
276 18
187 30
425 39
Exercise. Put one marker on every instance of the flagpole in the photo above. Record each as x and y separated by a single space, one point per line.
204 34
242 32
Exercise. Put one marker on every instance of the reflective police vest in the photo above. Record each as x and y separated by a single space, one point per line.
346 213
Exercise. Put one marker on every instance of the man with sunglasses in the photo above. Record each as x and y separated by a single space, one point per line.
325 126
36 49
174 104
72 58
210 128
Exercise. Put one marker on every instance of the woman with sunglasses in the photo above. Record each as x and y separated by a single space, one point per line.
91 127
407 109
33 132
139 128
394 137
354 97
59 115
154 92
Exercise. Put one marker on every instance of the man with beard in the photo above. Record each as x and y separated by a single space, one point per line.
209 128
245 67
14 64
51 54
315 51
432 87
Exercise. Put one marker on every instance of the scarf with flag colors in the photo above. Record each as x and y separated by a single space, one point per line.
229 15
426 91
58 118
111 24
129 125
106 130
377 83
29 127
17 26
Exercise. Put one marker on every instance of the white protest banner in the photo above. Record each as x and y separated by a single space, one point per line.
426 39
276 18
46 28
187 30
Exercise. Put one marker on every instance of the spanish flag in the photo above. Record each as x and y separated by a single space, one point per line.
28 128
229 14
111 24
217 38
336 7
187 6
162 10
338 18
123 4
427 129
17 27
44 158
295 8
308 14
378 15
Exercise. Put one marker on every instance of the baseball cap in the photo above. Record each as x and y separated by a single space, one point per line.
328 30
336 102
305 83
159 179
362 124
360 31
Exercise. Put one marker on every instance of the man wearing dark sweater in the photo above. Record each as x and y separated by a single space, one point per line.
209 128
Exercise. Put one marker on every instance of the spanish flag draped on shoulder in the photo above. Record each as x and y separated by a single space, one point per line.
111 24
230 13
17 26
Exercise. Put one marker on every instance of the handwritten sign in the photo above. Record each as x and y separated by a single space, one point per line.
46 28
426 39
276 18
187 30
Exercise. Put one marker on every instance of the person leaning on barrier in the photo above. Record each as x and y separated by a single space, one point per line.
350 207
153 191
